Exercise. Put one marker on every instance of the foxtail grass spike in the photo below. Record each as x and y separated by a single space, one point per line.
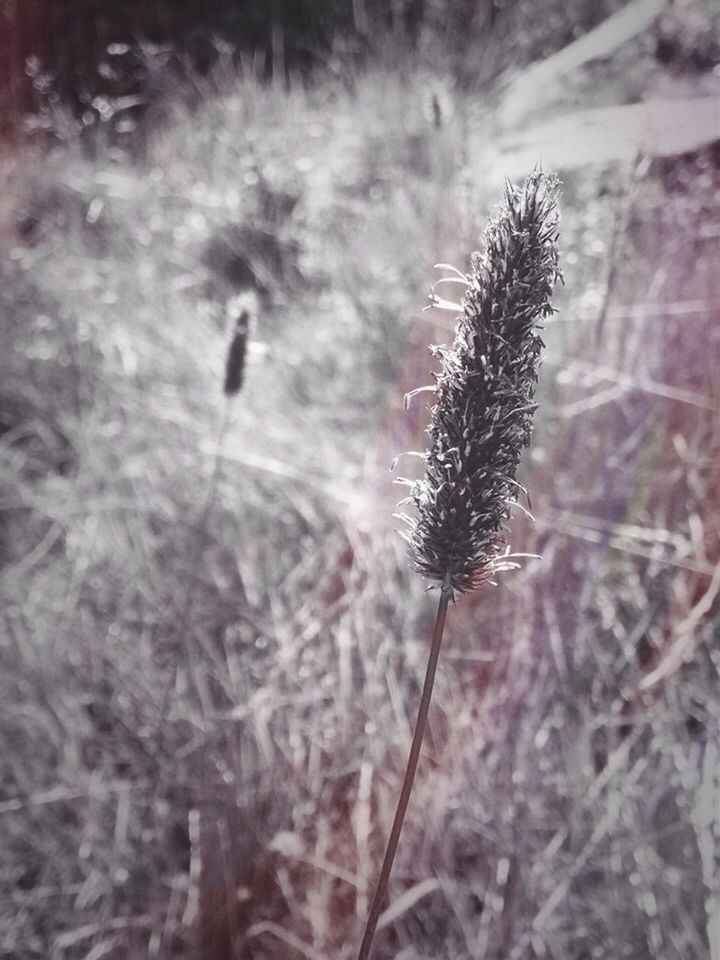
237 351
481 421
482 417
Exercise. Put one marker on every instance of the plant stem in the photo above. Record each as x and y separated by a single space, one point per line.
409 778
184 615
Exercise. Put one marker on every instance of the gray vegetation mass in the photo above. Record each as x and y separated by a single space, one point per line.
211 639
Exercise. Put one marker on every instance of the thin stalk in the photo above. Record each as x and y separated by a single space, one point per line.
183 617
409 778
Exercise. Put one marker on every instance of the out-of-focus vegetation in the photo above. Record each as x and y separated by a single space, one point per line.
105 56
211 643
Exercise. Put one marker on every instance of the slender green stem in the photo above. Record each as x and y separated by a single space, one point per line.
408 780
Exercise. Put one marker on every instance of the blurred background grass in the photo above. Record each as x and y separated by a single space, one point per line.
211 643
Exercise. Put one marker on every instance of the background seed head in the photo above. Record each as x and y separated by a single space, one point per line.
237 353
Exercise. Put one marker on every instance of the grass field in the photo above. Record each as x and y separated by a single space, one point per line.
211 641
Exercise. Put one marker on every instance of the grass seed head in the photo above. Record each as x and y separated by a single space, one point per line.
482 418
237 351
